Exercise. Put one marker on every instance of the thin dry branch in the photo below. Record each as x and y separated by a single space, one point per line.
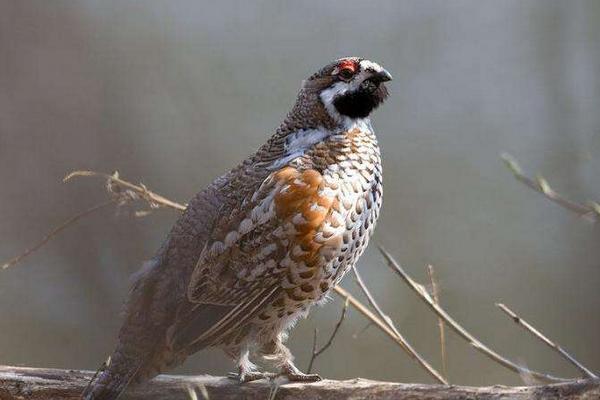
435 292
590 212
553 345
15 260
423 294
374 319
115 185
405 344
121 192
316 353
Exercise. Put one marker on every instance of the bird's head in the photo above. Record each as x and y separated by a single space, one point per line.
350 88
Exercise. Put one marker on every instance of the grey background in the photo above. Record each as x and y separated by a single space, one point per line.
173 93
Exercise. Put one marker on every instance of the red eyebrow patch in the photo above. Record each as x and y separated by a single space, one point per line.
347 64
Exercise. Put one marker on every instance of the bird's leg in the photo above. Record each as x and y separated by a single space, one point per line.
282 356
247 370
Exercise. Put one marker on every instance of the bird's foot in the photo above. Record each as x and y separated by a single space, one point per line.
302 377
249 376
293 374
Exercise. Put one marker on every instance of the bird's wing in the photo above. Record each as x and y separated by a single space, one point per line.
245 263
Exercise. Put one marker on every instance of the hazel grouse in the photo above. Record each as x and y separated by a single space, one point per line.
262 243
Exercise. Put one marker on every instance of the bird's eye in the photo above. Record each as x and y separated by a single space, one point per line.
346 73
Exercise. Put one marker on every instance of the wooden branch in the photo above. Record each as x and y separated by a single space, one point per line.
18 383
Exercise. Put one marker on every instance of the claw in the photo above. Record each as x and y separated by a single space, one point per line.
301 377
249 376
295 375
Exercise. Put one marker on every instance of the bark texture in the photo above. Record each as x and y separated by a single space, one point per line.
44 384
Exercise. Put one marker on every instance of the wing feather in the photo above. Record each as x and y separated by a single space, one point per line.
245 263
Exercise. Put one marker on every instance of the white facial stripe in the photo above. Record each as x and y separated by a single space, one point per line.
329 94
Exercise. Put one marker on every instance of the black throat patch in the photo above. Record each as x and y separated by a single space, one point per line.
361 102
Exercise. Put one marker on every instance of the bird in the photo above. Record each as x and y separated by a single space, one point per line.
261 244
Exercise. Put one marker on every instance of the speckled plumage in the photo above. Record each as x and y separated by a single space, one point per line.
263 243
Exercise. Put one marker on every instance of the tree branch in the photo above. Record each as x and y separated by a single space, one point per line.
316 353
16 259
18 383
590 212
124 189
435 293
553 345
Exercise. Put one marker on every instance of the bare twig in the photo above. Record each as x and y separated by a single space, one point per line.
553 345
590 212
118 186
316 353
386 318
359 333
364 310
435 292
314 349
193 390
15 260
404 343
423 294
121 191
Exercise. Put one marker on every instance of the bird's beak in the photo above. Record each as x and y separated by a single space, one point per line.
381 76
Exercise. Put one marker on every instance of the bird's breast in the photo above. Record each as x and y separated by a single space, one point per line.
351 172
328 203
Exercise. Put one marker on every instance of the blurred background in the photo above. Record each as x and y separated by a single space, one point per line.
174 93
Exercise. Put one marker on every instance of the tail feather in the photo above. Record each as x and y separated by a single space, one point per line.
113 381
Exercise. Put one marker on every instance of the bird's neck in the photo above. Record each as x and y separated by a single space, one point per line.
311 112
296 143
308 123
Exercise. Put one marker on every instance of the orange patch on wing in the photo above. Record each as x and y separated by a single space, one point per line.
300 203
